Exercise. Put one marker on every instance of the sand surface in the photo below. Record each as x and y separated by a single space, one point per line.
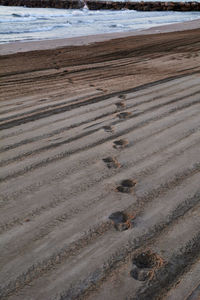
100 170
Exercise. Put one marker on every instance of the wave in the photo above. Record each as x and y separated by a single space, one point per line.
20 23
47 15
17 21
21 15
118 26
44 29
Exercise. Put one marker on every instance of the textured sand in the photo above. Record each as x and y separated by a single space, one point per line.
88 131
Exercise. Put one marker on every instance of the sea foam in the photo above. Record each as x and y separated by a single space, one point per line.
22 23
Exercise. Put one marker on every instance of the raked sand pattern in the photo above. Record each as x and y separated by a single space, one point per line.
100 191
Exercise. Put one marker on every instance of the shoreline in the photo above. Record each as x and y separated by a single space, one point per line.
26 46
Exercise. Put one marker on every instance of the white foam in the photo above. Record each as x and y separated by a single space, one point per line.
21 23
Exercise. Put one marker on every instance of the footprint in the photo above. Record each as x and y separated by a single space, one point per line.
126 186
145 264
120 105
124 115
122 97
120 144
108 128
111 162
121 221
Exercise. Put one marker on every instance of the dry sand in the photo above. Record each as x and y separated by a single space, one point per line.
100 170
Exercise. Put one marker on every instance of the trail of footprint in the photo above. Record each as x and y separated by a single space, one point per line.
121 220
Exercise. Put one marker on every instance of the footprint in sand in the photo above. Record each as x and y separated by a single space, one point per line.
124 115
121 220
120 144
126 186
120 105
108 128
145 264
111 162
122 97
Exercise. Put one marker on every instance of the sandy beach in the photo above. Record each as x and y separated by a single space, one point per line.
100 166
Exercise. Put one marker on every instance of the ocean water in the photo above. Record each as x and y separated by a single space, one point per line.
25 24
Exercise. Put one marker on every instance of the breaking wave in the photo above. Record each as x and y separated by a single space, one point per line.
23 23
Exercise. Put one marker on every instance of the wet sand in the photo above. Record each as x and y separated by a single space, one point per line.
100 169
85 40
